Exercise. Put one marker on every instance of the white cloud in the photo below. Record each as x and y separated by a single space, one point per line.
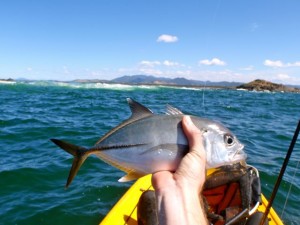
170 63
150 63
183 73
295 64
278 63
271 63
167 63
167 38
172 69
151 71
283 77
224 75
248 68
212 62
95 74
29 69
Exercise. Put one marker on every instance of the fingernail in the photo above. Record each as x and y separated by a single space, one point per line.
189 120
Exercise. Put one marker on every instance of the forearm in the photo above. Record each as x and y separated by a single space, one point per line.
179 205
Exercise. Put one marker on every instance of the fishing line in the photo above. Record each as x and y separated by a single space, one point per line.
288 195
203 103
280 176
216 12
207 37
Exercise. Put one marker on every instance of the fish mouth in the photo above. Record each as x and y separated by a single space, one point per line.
239 154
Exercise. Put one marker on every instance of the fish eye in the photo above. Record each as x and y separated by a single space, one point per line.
204 131
229 139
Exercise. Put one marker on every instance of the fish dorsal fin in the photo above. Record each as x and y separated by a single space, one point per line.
170 110
138 110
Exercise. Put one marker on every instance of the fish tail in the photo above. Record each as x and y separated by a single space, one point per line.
80 154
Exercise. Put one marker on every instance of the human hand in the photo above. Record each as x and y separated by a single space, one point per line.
178 193
191 170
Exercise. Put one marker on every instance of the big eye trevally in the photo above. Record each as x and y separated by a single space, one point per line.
147 143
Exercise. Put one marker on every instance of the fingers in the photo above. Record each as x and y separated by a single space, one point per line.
194 136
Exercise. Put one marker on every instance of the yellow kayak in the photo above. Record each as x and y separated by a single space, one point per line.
125 210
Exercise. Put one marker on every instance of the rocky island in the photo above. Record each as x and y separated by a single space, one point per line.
7 81
262 85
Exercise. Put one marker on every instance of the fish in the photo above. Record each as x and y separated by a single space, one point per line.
146 143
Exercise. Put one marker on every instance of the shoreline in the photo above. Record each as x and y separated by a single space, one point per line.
254 86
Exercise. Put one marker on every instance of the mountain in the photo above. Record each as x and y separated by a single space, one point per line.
137 79
90 81
145 79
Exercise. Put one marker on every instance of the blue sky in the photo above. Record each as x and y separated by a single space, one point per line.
216 40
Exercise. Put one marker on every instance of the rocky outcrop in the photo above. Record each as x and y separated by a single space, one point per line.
9 80
262 85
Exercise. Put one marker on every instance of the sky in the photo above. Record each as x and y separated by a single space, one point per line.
215 40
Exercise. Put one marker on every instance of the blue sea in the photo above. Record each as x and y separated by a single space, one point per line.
33 171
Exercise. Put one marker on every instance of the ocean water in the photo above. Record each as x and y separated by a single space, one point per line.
33 171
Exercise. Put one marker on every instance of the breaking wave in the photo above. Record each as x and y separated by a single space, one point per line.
100 85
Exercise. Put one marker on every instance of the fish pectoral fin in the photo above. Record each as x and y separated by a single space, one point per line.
130 176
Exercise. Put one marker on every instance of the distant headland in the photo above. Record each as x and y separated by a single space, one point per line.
256 85
152 80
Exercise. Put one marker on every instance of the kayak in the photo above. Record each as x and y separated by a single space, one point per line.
125 210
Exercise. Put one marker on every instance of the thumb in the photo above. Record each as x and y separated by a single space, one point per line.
194 137
192 166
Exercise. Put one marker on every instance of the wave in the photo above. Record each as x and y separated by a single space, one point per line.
7 82
86 85
102 85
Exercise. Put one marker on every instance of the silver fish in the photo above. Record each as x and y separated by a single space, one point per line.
146 143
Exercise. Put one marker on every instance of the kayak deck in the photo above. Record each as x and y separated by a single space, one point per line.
273 217
125 210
